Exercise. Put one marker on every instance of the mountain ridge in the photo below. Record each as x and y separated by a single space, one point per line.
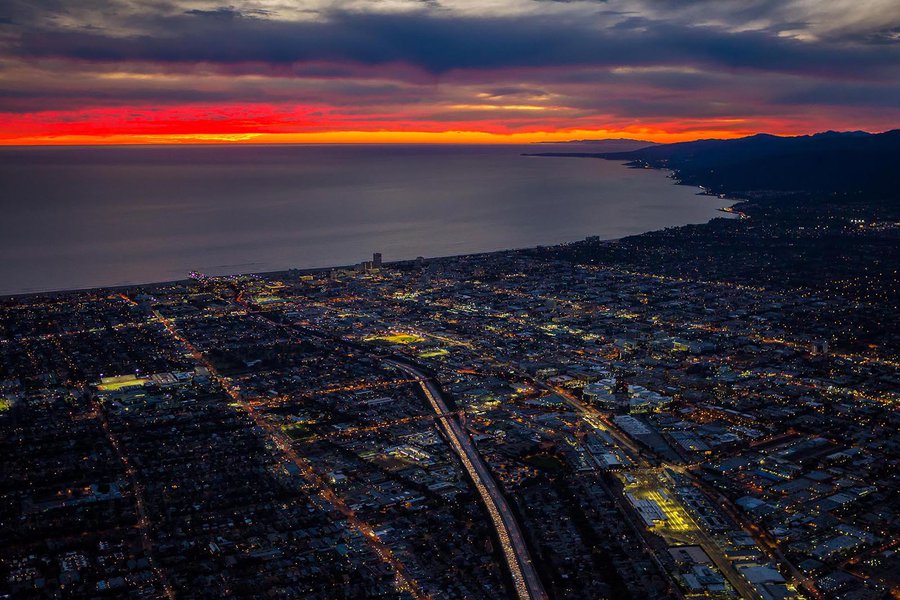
828 162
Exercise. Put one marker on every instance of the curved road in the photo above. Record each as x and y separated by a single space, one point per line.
527 583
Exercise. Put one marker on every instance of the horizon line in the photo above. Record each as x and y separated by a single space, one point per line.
376 137
398 138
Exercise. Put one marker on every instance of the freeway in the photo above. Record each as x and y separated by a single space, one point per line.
515 551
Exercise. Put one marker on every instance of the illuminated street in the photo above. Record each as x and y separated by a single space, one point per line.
586 432
527 582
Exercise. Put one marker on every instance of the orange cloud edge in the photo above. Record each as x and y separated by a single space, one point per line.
366 137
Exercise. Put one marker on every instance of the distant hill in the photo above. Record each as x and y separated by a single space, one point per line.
611 145
829 162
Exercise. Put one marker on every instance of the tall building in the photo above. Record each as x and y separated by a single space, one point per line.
376 260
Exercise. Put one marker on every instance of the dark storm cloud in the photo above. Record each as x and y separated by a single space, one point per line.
542 64
886 95
84 92
438 44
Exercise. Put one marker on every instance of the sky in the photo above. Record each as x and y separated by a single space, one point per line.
492 71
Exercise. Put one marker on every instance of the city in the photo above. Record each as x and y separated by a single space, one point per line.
485 426
449 300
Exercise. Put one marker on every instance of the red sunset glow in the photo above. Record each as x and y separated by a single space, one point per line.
496 74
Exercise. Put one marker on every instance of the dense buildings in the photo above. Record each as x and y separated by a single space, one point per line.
648 435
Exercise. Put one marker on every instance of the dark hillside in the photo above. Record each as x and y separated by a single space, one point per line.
830 162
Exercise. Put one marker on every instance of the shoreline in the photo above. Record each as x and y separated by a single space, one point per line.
326 269
726 210
297 271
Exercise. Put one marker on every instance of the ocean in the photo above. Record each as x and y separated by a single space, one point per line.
82 217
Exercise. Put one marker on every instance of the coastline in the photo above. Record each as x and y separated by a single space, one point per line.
725 212
277 272
56 293
511 205
671 175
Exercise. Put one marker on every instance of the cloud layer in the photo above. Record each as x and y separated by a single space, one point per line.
532 69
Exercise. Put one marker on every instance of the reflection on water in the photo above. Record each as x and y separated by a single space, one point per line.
86 217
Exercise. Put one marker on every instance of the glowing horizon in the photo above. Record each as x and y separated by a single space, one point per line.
366 137
444 72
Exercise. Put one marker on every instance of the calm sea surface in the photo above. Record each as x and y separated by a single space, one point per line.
87 217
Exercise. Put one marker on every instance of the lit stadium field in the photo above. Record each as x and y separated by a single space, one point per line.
397 338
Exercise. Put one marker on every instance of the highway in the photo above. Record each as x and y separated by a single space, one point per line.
515 551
